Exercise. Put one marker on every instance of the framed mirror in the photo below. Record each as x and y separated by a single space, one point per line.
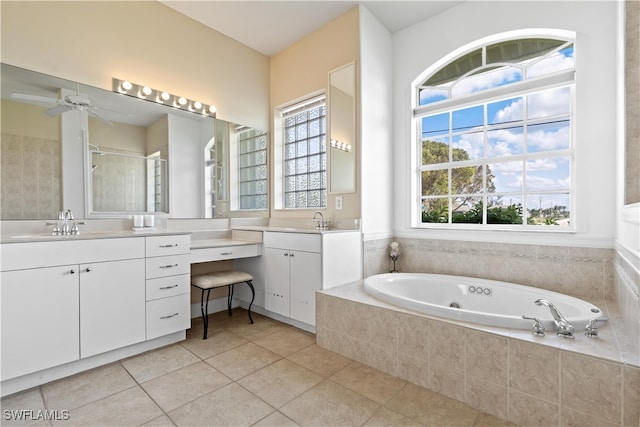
342 129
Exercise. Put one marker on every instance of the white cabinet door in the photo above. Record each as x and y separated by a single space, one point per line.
112 305
305 280
277 281
39 319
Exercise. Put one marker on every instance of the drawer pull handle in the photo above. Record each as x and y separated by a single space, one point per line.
164 288
72 271
174 245
169 316
226 253
169 266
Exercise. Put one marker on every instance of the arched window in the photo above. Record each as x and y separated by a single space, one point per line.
494 145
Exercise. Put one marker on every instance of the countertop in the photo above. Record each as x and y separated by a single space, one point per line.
43 237
291 229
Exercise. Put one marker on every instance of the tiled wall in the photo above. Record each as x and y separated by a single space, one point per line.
632 102
582 272
30 177
627 284
515 379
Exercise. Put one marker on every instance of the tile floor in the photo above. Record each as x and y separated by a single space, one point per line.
265 374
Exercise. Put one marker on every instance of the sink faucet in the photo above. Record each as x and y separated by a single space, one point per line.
320 224
564 329
65 217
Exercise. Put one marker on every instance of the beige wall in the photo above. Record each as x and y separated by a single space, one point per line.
118 137
302 69
143 41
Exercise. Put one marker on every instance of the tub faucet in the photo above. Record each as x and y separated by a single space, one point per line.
564 329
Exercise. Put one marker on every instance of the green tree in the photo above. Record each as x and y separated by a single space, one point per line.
464 180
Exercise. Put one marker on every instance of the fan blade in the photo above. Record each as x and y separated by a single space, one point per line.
103 110
57 110
92 112
35 98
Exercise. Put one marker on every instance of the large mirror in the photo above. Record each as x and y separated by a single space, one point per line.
121 155
342 129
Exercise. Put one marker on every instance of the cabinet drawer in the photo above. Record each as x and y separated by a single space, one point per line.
222 253
168 245
168 266
170 286
293 241
18 256
168 315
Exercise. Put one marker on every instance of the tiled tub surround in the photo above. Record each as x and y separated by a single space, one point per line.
508 373
580 272
592 274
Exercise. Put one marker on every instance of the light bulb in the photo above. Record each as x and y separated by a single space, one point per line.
125 86
182 100
197 105
146 90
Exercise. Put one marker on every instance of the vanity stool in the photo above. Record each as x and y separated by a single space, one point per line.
228 278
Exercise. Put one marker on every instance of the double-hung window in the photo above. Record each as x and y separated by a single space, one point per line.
494 137
304 154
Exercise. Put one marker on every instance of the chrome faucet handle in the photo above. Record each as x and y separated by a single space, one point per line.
537 329
591 331
55 230
565 331
75 230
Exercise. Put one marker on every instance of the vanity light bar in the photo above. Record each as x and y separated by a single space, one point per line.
125 87
340 145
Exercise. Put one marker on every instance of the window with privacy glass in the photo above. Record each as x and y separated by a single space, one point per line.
495 139
304 145
252 158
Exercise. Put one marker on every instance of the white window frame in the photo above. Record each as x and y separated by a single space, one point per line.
556 80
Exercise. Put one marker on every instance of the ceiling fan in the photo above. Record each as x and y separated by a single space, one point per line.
68 103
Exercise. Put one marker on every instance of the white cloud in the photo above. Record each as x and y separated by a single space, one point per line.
486 80
504 142
472 143
535 182
550 65
510 113
542 165
548 139
549 103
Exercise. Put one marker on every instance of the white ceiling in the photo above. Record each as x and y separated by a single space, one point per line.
271 26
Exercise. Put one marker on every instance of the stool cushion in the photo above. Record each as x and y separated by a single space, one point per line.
219 278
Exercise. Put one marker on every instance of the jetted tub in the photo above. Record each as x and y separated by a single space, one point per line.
487 302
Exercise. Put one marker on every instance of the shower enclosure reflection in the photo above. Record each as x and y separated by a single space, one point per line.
128 183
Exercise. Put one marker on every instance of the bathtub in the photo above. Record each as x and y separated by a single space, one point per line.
487 302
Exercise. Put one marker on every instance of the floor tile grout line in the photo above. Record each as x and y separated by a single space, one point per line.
158 405
252 340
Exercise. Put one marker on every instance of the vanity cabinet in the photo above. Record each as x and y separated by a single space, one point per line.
112 305
70 299
39 319
168 285
297 265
